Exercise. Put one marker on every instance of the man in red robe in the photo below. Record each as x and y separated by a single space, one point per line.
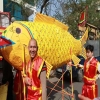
91 67
31 84
35 78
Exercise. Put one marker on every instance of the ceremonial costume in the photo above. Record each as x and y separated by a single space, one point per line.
33 70
18 86
90 88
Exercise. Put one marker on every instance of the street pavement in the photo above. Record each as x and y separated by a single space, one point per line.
55 95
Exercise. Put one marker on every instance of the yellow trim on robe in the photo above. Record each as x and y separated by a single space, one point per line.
40 69
90 78
23 75
40 98
35 88
87 67
93 87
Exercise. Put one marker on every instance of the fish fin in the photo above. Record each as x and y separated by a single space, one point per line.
83 53
84 37
49 67
75 59
47 19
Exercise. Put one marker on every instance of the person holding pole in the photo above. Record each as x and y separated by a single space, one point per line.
91 67
35 77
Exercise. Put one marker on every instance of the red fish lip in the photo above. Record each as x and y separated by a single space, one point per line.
5 42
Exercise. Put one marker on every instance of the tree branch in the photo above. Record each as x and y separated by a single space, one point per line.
45 2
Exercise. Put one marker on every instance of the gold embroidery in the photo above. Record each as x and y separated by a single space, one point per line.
88 64
30 69
40 68
90 78
93 87
87 67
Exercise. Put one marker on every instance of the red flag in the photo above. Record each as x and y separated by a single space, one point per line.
83 18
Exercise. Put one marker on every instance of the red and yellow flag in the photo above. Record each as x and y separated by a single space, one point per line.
83 18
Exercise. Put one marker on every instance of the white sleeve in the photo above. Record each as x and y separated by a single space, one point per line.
98 67
97 98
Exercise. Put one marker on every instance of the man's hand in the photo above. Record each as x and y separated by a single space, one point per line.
81 97
80 66
28 81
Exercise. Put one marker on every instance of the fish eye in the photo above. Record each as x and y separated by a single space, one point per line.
18 30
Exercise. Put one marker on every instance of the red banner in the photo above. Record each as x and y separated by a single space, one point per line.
83 18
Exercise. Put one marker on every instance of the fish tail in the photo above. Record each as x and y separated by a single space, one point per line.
84 37
83 41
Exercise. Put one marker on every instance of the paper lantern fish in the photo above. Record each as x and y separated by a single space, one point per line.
56 45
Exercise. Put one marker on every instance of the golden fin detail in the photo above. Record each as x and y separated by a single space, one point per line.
49 68
75 59
84 37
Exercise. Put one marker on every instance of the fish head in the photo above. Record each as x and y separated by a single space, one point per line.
18 36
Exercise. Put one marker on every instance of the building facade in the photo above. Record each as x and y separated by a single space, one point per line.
13 8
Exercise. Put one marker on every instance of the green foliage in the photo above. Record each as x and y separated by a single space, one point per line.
71 13
68 11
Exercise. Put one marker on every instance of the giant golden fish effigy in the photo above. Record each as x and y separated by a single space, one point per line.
56 44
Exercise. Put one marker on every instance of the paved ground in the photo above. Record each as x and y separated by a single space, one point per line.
77 89
58 96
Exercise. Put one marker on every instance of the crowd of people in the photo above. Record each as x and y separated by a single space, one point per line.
35 76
